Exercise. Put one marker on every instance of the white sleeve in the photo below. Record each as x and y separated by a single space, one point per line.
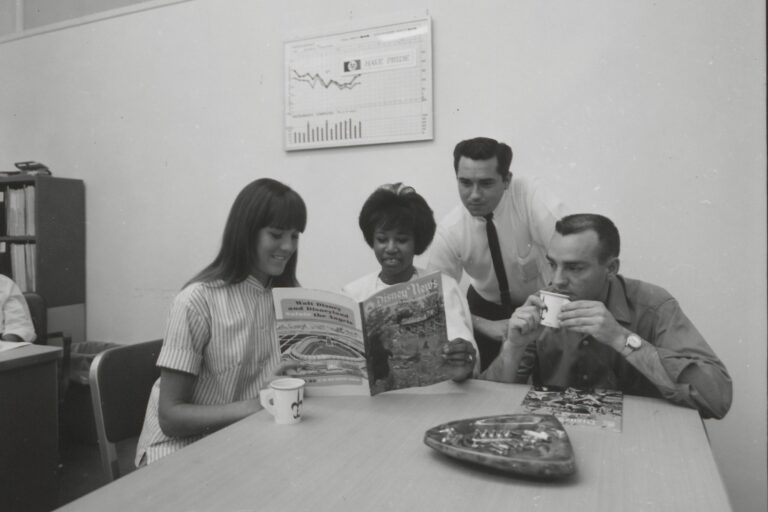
361 288
458 319
544 210
16 317
443 257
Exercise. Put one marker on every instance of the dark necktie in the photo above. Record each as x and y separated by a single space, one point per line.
498 262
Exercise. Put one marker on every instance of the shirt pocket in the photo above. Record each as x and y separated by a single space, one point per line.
221 358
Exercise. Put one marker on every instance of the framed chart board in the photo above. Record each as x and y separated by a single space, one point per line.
368 86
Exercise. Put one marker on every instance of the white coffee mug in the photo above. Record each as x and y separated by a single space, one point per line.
283 399
552 304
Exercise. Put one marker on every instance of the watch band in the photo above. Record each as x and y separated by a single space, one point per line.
633 343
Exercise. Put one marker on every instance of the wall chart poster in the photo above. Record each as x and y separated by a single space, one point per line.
369 86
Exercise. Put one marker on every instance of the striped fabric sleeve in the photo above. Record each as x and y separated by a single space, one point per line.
187 333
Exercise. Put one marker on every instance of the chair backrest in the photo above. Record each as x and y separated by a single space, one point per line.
121 380
38 310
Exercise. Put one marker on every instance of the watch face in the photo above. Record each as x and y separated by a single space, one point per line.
634 342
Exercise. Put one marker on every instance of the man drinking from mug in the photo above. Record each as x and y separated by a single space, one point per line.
615 333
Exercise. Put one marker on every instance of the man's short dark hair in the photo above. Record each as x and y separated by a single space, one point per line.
607 234
397 206
483 148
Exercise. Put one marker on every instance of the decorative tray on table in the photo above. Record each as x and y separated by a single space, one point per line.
532 445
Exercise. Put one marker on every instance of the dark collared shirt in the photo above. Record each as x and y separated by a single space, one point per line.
572 359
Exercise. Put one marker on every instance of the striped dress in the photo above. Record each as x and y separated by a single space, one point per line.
225 336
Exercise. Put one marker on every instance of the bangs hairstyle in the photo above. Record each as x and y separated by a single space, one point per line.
607 233
262 203
484 148
397 206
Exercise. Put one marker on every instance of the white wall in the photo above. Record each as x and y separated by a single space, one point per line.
650 112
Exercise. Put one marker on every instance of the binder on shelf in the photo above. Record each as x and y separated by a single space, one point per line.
29 210
19 266
10 221
3 226
30 254
12 212
16 212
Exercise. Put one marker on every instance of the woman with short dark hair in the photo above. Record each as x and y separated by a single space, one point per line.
397 223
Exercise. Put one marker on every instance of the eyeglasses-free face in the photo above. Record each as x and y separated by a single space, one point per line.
394 249
480 185
274 248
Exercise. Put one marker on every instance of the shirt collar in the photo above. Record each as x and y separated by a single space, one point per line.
498 212
616 301
251 280
502 206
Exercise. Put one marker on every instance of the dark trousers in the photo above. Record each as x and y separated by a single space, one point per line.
488 347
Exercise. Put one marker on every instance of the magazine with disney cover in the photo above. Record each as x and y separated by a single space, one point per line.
600 408
392 340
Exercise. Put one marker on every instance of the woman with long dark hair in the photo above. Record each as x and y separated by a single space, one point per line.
220 345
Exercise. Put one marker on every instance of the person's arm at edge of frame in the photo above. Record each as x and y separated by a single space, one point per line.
17 320
179 417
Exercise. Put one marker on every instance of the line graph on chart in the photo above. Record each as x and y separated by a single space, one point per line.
362 87
314 79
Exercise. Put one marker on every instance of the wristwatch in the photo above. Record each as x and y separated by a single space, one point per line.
632 343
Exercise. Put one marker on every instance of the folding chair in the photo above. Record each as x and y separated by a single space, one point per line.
121 380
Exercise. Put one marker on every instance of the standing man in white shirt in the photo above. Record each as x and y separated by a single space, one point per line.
498 236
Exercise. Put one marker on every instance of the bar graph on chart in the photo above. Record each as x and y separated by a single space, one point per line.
367 86
346 130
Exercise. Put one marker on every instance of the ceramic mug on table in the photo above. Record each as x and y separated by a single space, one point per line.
283 399
552 304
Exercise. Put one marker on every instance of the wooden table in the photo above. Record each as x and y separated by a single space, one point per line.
29 428
367 453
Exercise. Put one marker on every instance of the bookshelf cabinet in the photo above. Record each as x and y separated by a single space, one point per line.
42 244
